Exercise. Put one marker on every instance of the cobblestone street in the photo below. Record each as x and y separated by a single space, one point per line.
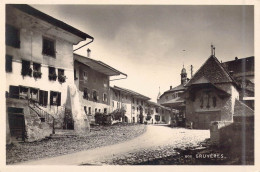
156 142
163 143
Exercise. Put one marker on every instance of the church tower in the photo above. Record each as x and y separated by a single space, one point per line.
159 95
183 76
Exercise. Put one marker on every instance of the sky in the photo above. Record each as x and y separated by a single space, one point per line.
147 42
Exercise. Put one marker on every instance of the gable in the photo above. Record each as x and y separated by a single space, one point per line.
211 71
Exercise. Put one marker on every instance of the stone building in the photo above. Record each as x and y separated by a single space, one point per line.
211 95
132 102
138 107
157 113
242 70
92 79
173 98
39 73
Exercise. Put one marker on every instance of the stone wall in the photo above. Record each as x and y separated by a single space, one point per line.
35 129
237 137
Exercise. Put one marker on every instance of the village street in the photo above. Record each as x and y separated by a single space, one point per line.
157 141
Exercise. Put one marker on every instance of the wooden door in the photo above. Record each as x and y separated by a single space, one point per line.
16 124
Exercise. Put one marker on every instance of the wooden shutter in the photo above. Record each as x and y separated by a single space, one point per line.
45 98
51 98
8 63
14 92
41 97
59 99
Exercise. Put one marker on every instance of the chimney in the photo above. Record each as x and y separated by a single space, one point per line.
236 58
88 53
170 87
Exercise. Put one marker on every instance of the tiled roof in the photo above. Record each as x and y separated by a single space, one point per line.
177 88
36 13
133 93
176 102
213 71
242 109
240 65
97 65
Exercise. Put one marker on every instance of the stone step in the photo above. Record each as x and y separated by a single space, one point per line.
62 135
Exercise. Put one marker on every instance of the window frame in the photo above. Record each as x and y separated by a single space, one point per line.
54 47
12 43
87 92
26 68
8 63
58 98
52 75
95 99
105 97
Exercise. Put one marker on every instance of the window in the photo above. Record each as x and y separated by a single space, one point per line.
37 70
105 97
43 97
86 94
105 110
55 98
26 69
142 103
113 104
23 92
133 107
8 63
95 96
48 47
85 76
157 118
52 74
133 100
12 36
14 92
95 110
118 105
156 110
85 110
61 76
34 94
99 110
137 102
89 110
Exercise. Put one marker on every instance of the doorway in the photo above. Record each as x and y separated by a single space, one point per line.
16 123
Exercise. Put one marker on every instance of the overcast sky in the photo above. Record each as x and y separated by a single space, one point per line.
147 42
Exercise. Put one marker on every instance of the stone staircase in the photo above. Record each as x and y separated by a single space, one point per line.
60 133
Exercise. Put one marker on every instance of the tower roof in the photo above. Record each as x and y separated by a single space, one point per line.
159 94
183 70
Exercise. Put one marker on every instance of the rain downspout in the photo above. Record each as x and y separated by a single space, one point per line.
84 45
125 76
